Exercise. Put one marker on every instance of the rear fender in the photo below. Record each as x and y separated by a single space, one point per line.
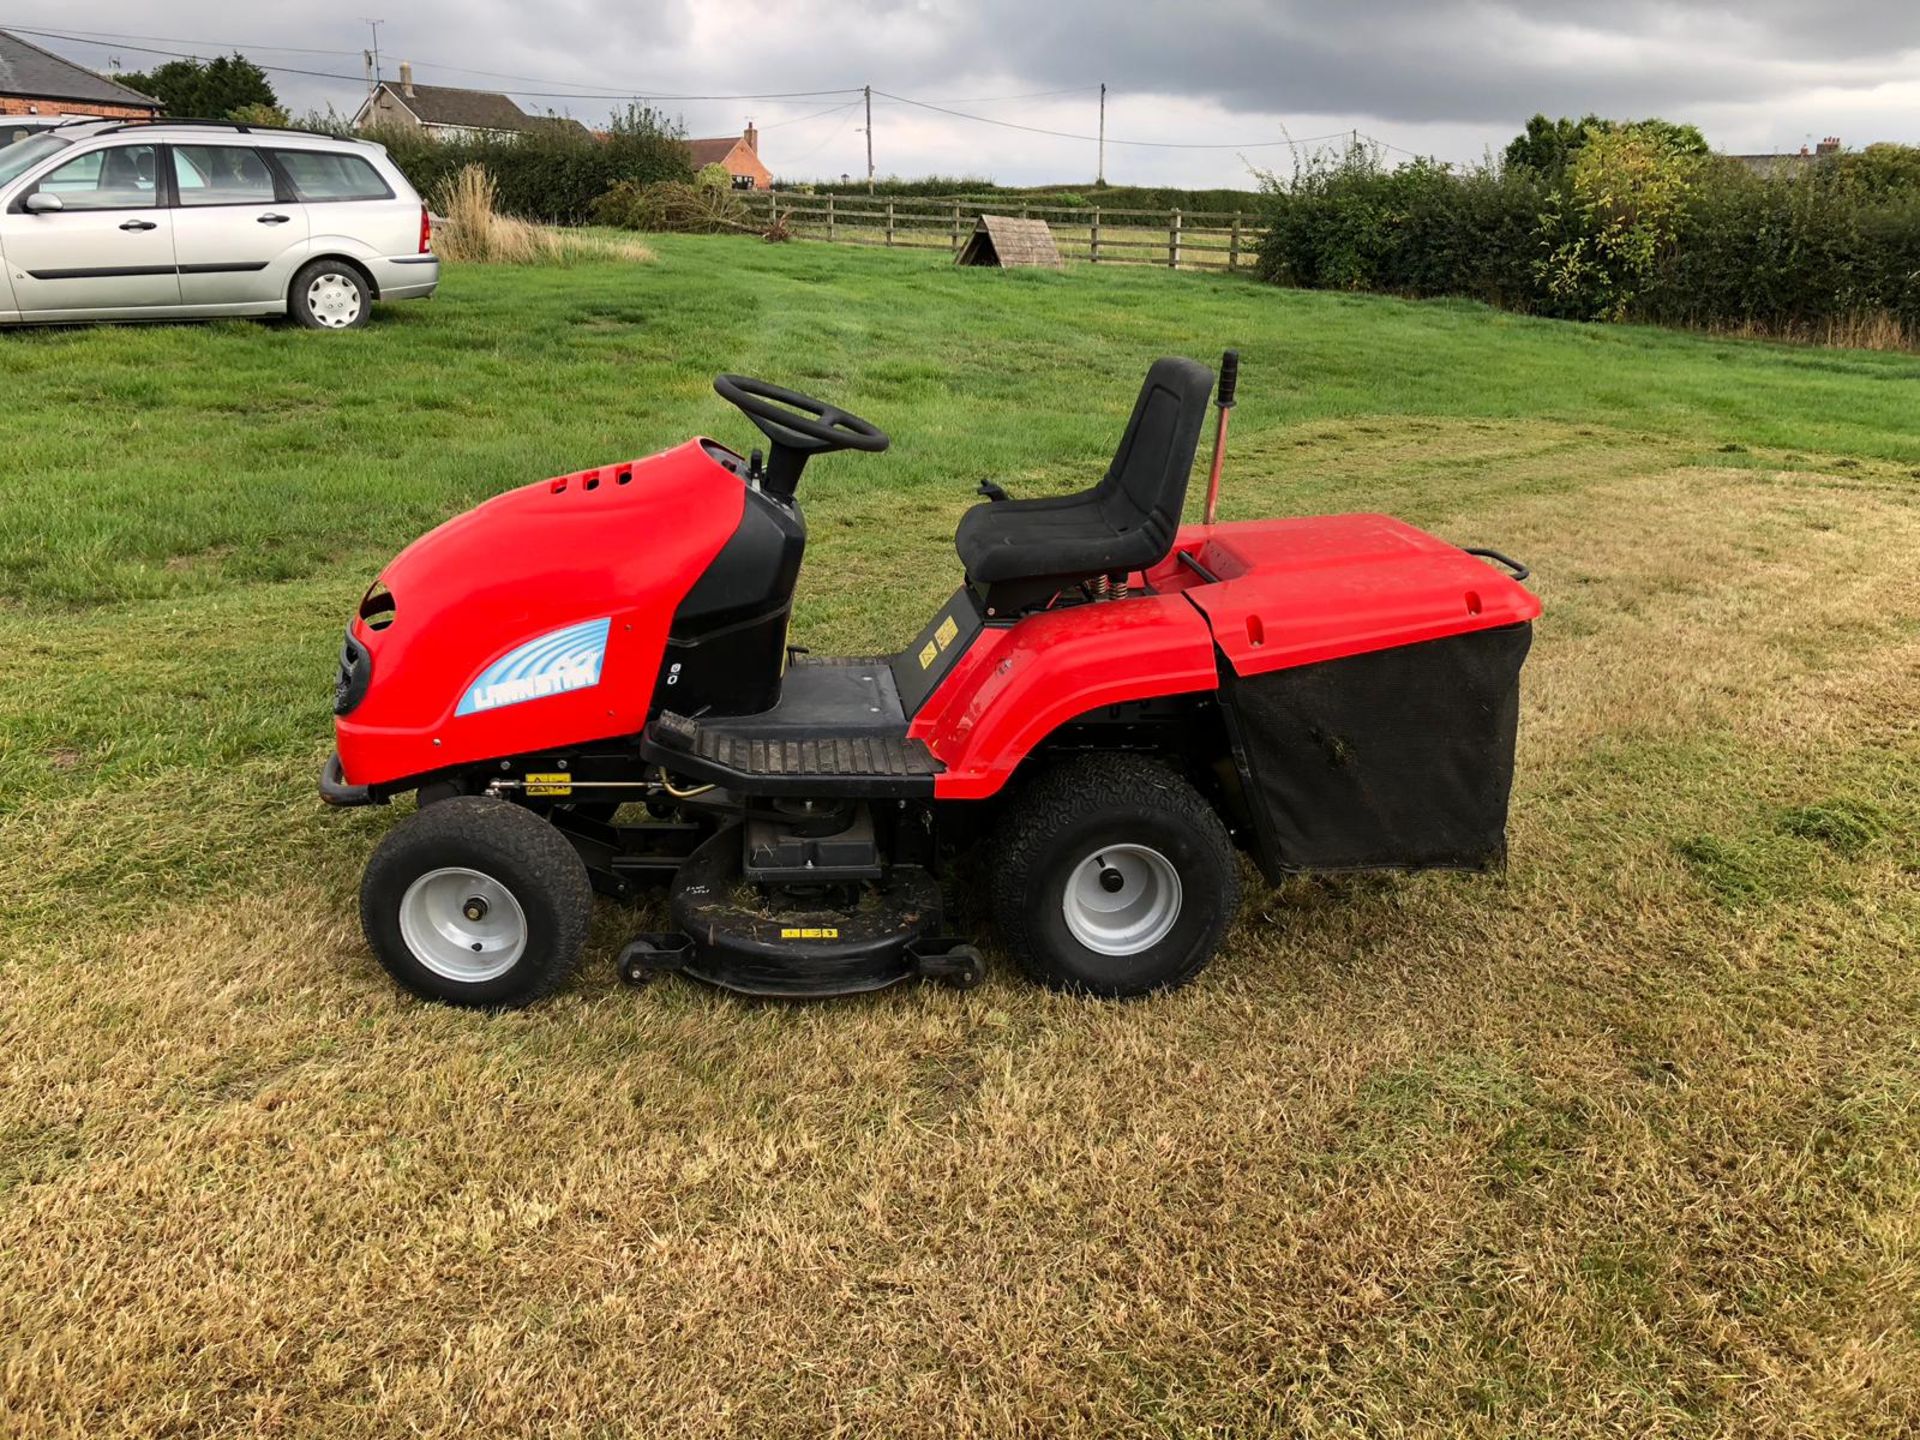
1019 683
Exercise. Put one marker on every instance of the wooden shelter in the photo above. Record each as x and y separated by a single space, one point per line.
1007 241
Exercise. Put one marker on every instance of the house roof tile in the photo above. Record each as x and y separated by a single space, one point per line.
30 72
472 109
712 152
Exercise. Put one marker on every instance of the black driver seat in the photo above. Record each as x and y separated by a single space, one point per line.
1126 522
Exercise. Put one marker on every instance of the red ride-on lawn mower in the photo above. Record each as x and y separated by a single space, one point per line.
588 683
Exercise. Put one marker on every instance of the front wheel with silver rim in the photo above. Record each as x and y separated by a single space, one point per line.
475 901
328 295
1114 876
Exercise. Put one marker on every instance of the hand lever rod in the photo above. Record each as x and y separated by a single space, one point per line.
1229 382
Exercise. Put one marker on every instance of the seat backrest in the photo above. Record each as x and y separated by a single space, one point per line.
1146 485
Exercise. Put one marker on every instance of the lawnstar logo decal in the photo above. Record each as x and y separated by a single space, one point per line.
556 663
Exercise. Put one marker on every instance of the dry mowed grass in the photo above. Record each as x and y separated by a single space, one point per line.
1625 1142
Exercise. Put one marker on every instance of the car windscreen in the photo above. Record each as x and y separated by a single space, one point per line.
22 155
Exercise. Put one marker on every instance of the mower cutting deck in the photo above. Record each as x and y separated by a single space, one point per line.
587 684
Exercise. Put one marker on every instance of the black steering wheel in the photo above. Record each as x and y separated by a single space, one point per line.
798 425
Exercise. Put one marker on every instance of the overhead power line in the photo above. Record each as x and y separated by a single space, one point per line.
811 115
1094 139
361 79
106 36
608 94
182 54
849 110
116 38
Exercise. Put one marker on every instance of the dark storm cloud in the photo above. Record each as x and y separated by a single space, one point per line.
1425 62
1762 71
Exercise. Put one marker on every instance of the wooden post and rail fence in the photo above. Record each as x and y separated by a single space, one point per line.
1223 240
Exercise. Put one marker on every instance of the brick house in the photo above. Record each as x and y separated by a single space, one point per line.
740 154
34 81
446 112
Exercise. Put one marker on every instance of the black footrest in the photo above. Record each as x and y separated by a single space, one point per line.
837 730
863 766
893 755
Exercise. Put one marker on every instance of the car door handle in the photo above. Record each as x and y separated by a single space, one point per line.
139 225
275 219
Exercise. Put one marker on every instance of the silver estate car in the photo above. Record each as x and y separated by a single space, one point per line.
163 220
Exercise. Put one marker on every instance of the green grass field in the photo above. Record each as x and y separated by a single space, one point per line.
1626 1141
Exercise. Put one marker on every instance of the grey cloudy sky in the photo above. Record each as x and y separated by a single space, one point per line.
1449 77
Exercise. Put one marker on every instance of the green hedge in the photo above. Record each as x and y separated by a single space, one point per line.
552 174
1831 252
1791 257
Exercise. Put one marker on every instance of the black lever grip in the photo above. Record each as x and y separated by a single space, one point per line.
1229 377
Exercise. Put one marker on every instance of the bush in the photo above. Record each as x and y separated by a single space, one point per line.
1613 221
1827 255
673 206
1597 220
551 174
270 117
476 233
1348 223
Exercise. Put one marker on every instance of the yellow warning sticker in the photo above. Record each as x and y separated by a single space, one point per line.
561 784
927 654
949 628
826 932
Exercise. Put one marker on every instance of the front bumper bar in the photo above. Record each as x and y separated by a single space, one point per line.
334 788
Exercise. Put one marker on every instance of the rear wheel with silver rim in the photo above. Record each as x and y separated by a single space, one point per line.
476 901
328 295
1114 876
1122 899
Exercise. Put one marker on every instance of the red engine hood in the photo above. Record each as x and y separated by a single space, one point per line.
1293 592
621 544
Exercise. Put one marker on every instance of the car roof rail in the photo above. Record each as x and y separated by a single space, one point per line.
245 129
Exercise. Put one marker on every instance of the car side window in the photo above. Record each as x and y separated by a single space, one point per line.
221 175
122 178
320 175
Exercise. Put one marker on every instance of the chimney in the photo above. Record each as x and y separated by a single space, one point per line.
1828 146
406 78
752 137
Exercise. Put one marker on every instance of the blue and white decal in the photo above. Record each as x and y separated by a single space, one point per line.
555 664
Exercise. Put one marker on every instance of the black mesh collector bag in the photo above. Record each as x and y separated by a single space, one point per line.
1396 759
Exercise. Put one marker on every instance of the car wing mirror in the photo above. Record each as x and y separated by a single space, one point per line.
41 203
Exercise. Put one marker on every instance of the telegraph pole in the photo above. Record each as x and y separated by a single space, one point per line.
869 94
1100 168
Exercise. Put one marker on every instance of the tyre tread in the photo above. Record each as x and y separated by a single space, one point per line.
1057 798
518 836
304 278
